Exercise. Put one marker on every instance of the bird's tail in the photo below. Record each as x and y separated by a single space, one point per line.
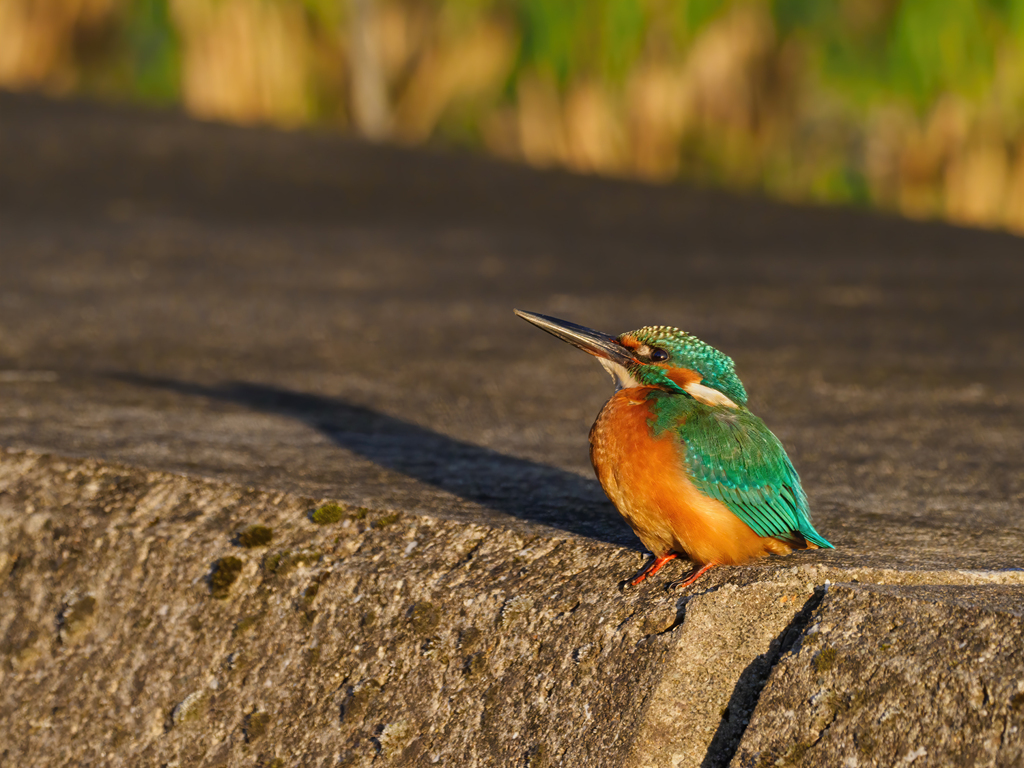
814 539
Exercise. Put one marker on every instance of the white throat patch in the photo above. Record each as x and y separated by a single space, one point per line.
622 378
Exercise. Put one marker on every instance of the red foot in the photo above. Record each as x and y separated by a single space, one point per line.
652 567
695 574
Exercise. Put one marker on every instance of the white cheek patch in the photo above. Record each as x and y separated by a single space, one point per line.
623 379
708 396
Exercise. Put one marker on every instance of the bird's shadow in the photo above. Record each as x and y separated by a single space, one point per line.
523 489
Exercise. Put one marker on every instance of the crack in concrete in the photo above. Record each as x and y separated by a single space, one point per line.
750 684
681 610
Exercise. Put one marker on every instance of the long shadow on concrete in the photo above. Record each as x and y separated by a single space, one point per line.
523 489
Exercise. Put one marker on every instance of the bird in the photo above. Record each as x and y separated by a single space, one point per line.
690 468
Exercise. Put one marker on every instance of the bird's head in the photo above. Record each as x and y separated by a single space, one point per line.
655 356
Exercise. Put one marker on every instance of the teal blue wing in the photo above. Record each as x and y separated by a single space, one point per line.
733 457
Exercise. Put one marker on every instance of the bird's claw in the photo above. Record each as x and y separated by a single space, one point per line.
650 568
692 576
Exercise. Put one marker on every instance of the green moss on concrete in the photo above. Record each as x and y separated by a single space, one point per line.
225 573
332 513
383 522
283 562
255 536
272 561
328 514
825 660
797 752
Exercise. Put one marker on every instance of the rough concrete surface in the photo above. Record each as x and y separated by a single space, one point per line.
157 619
886 676
203 328
381 635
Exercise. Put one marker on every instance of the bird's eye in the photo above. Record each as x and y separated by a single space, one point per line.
658 355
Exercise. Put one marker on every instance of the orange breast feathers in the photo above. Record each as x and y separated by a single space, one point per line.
646 479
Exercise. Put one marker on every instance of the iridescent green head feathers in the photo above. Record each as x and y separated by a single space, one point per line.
663 354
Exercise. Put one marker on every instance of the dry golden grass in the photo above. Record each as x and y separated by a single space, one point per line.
738 105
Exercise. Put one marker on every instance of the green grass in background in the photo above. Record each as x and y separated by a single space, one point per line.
935 88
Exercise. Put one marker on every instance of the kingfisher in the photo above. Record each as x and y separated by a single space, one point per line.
692 470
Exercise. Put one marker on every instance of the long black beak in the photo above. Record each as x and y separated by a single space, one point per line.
596 343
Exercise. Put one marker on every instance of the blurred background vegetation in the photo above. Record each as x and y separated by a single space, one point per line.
915 106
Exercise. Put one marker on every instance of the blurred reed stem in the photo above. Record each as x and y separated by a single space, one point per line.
911 106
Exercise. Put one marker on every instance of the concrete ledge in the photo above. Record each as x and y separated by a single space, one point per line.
883 676
140 632
139 628
317 317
